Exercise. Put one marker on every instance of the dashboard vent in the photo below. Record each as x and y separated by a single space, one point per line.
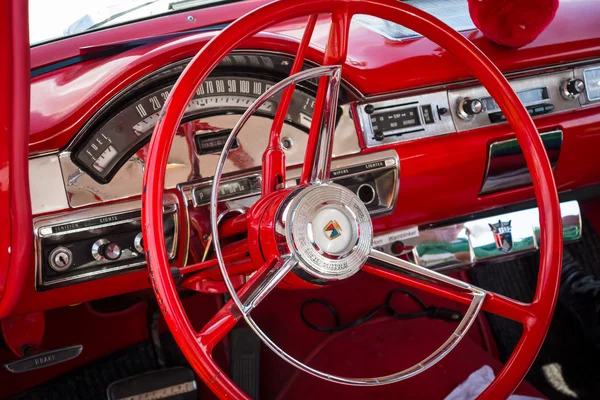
453 12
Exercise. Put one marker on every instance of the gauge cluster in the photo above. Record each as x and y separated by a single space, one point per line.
125 124
105 149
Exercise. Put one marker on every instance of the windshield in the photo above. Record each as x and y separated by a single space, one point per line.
56 19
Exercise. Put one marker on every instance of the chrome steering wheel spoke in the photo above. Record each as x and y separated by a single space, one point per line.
319 163
264 281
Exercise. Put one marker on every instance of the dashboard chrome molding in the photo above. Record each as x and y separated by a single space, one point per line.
341 169
185 164
552 78
502 177
485 240
46 186
43 228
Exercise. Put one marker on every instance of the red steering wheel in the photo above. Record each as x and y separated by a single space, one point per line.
285 246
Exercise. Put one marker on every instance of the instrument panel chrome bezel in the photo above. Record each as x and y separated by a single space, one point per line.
42 228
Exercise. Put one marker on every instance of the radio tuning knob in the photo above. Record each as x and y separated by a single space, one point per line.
103 250
467 108
572 88
379 136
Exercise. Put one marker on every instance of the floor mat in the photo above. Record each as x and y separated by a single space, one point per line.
567 367
90 382
375 348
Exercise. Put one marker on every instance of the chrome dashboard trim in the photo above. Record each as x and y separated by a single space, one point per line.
550 81
183 164
42 228
514 176
389 193
465 244
46 186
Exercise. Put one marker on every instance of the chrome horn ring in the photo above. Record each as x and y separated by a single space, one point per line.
358 249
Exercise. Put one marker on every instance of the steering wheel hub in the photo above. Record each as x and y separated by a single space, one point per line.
329 230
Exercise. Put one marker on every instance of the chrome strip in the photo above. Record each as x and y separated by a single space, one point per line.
387 191
514 175
468 243
46 186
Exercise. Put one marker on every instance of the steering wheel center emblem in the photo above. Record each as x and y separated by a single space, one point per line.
332 230
329 230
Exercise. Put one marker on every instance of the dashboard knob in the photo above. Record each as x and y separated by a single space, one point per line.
572 88
60 259
467 108
103 250
379 136
138 243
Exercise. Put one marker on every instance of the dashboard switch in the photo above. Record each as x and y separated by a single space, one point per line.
427 114
103 250
138 243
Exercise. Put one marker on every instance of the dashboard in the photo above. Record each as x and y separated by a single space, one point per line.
433 160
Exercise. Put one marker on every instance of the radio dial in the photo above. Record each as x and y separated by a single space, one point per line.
467 108
572 88
103 250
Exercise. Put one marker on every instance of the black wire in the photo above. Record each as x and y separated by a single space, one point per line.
445 314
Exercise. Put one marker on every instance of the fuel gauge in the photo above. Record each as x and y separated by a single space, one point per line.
105 158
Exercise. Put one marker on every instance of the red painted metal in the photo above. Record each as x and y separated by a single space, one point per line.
373 62
23 331
535 317
336 52
273 169
16 244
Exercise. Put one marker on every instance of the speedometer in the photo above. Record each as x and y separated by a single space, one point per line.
104 150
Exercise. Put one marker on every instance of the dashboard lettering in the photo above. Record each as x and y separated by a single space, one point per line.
111 218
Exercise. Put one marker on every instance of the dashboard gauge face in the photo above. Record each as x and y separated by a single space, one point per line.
104 150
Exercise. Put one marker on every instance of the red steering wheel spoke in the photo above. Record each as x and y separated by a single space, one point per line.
317 161
274 158
421 278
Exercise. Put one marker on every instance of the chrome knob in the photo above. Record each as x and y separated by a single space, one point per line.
467 108
572 88
103 250
138 243
60 259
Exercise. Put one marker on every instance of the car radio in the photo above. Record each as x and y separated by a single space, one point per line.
398 120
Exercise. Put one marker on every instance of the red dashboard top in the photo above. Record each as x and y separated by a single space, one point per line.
375 65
